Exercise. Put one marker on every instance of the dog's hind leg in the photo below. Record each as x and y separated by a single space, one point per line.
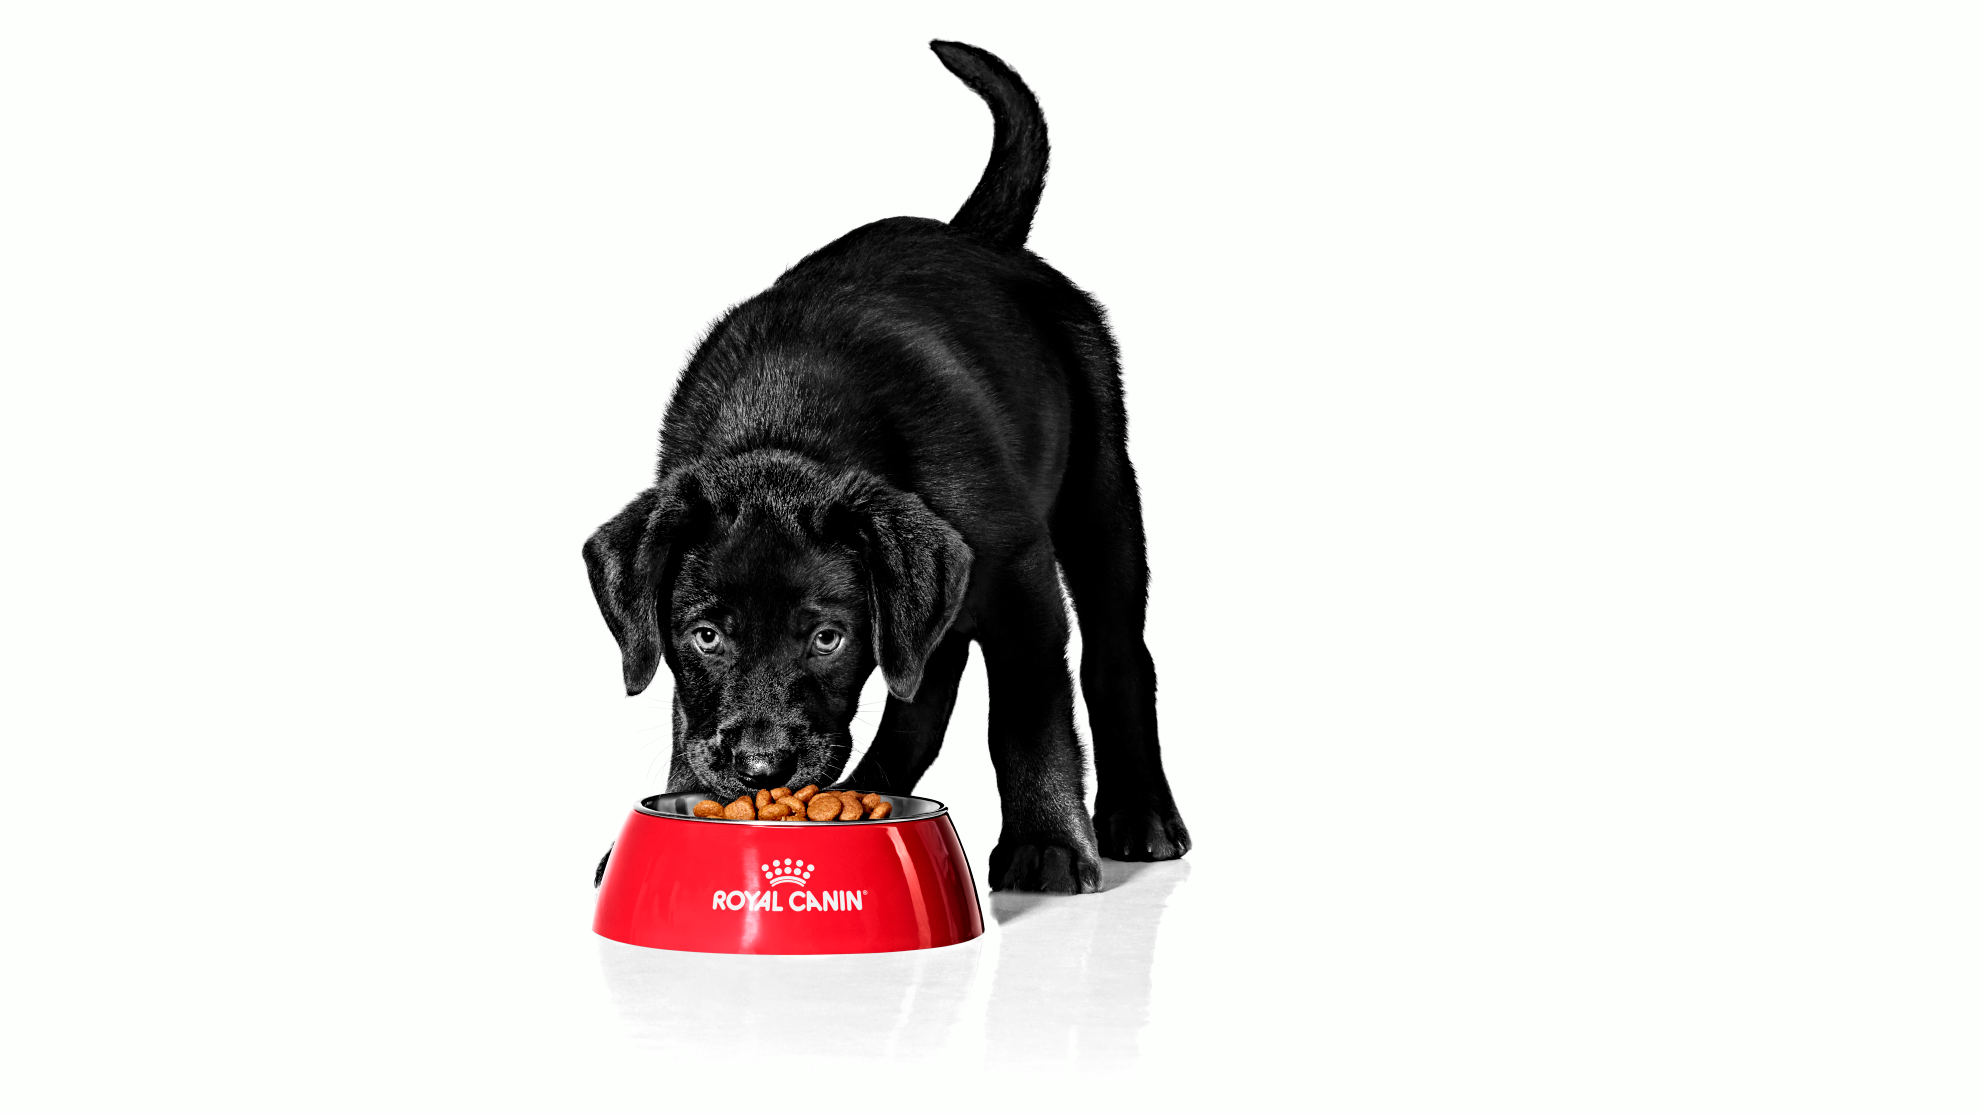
1096 528
910 735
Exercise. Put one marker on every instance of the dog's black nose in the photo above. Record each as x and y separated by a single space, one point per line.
763 771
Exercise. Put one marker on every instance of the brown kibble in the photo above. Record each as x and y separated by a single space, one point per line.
806 793
824 806
850 808
794 814
708 810
763 799
775 810
871 801
740 809
881 811
779 793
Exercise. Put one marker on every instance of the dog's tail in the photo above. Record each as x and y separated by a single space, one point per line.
999 210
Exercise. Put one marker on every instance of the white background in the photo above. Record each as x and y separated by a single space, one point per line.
1557 426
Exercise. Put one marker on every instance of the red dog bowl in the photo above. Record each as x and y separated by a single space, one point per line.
770 887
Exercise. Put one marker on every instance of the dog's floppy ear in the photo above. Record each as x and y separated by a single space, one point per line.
627 559
918 570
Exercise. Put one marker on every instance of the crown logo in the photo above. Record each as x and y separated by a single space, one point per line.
793 872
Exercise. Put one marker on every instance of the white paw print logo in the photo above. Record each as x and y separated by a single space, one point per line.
793 872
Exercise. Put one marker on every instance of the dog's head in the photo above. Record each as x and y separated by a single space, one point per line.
772 588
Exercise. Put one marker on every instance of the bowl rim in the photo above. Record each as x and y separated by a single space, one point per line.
645 806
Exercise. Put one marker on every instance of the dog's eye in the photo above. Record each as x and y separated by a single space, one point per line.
827 641
706 638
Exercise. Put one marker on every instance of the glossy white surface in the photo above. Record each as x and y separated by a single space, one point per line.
1058 980
1557 431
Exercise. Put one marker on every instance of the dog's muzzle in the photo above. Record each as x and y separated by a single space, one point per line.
765 755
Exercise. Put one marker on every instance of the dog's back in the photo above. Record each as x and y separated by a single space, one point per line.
938 356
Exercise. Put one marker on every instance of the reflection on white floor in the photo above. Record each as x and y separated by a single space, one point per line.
1073 975
1053 978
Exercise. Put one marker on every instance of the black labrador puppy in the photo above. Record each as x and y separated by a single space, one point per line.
894 451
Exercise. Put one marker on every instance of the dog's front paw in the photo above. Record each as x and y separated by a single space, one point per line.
1151 831
1044 864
